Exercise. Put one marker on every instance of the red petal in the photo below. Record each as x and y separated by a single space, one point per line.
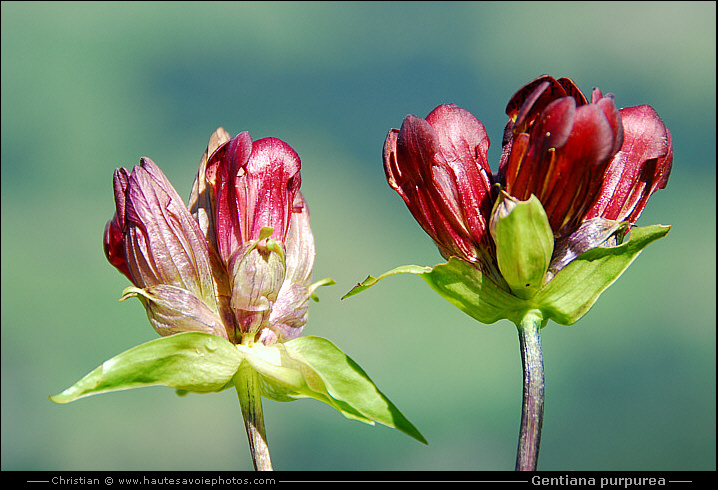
265 194
534 175
115 247
423 164
113 240
572 90
522 95
511 161
410 167
574 179
608 106
639 169
464 145
530 107
531 100
222 168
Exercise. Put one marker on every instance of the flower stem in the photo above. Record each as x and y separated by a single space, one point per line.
533 392
246 382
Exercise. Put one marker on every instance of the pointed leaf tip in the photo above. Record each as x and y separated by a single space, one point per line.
346 381
361 286
371 280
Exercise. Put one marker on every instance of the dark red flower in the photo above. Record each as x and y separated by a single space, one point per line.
582 159
557 146
440 168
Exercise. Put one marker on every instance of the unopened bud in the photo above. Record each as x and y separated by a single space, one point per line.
524 243
257 272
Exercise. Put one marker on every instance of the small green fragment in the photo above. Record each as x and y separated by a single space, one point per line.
327 281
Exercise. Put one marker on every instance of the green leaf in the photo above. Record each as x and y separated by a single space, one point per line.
189 362
313 367
565 299
464 286
577 286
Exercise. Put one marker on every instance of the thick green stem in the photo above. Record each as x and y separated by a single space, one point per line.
246 382
533 393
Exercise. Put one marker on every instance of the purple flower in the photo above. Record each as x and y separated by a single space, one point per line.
237 262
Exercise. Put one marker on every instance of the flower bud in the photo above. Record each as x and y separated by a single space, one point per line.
524 243
263 238
439 167
257 271
237 263
153 238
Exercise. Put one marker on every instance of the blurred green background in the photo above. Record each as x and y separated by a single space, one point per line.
87 87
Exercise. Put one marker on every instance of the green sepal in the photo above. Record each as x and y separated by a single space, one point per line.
565 299
313 367
189 362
